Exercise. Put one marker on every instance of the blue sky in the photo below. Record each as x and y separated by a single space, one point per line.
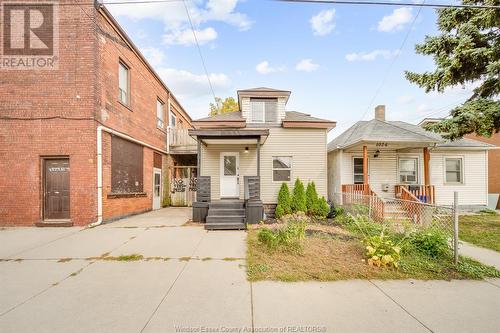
332 57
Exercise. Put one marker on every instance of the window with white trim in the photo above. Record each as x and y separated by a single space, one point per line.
263 110
123 83
173 120
159 114
454 170
408 170
282 168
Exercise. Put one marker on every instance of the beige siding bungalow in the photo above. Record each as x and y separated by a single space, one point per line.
245 156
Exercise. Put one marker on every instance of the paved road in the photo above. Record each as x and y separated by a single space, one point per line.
56 280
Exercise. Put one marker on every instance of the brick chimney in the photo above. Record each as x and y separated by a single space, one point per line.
380 112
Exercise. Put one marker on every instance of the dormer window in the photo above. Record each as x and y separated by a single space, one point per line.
263 110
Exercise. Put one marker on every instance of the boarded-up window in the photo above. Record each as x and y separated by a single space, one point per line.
126 166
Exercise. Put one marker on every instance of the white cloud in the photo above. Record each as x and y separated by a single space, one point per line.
406 99
154 55
186 84
306 65
370 56
395 21
264 68
174 18
323 23
186 37
423 108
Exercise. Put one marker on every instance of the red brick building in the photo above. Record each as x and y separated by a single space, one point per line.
86 141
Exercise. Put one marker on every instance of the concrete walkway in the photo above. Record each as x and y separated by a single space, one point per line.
69 280
486 256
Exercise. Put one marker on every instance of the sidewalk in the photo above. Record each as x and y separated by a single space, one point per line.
486 256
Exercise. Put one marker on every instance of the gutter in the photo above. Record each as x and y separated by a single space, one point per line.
100 129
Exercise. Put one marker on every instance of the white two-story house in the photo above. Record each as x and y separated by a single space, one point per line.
245 156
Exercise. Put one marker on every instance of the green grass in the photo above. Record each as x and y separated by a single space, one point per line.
331 257
482 230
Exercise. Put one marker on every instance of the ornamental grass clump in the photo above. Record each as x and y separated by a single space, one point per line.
288 237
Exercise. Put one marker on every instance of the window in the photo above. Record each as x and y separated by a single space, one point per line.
282 168
173 120
126 166
263 110
454 170
358 170
408 170
159 114
123 84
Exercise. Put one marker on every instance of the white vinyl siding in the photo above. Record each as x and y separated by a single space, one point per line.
307 147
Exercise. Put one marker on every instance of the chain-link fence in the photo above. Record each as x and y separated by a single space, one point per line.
401 215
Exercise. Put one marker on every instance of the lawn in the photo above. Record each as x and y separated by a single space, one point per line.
482 230
331 252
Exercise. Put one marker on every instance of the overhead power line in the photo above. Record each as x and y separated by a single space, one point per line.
390 3
199 51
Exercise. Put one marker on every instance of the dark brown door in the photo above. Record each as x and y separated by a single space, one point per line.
56 189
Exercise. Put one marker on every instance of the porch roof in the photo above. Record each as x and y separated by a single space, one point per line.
388 131
227 135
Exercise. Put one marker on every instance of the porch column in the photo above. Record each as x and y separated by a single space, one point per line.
198 157
258 157
365 167
426 166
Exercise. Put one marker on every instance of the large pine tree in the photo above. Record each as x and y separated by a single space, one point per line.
466 51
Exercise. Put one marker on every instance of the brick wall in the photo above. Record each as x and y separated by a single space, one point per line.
30 102
56 113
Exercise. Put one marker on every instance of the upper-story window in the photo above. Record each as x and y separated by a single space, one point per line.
159 113
173 120
123 83
263 110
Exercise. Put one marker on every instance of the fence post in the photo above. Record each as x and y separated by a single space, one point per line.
455 227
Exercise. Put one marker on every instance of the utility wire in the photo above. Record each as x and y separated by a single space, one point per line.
389 3
199 51
384 79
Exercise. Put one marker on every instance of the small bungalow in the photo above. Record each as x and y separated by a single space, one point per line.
245 156
395 159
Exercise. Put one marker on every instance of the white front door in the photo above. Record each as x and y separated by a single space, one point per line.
229 175
156 188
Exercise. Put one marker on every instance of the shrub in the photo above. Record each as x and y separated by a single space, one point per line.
299 197
381 251
311 198
364 225
320 208
288 237
433 243
295 217
284 201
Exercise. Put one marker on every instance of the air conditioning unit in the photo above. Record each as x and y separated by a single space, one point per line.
385 187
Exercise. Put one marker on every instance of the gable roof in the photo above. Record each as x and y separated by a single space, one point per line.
396 131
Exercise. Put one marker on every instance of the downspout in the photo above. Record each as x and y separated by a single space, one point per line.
100 129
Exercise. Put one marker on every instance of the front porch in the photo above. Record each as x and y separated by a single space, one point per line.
228 187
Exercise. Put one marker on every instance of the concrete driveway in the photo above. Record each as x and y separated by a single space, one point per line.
191 280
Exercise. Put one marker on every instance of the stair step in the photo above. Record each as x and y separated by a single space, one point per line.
226 212
229 204
226 219
225 226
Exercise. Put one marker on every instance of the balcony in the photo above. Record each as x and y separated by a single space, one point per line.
180 142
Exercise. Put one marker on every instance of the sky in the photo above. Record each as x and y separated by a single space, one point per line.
339 61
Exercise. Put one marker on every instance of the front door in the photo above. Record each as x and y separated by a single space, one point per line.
56 189
229 175
156 188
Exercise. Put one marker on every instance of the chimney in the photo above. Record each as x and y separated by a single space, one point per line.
380 112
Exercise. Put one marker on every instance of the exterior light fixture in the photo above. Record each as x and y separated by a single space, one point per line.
376 153
246 150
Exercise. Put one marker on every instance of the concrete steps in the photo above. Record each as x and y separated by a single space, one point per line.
226 215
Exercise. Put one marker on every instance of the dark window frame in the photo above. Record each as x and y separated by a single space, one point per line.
127 166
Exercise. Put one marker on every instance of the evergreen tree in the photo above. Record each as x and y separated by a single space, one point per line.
299 197
466 51
284 201
311 197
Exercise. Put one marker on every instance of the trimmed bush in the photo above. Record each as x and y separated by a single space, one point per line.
284 201
321 208
299 197
311 198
